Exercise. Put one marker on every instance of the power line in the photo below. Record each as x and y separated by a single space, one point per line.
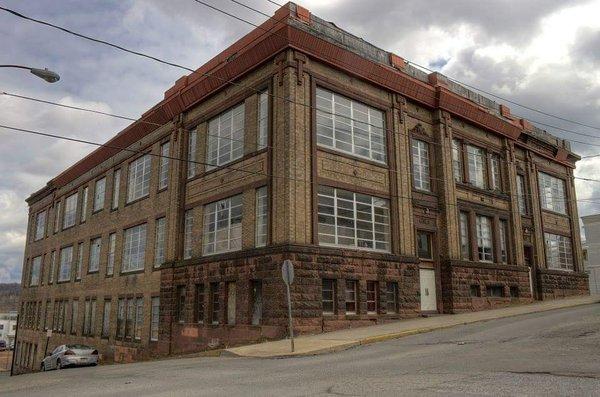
309 182
453 79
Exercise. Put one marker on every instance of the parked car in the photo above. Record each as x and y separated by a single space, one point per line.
3 345
70 355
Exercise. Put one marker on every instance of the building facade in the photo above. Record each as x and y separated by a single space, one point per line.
591 251
393 192
8 327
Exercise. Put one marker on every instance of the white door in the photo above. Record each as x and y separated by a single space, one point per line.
428 299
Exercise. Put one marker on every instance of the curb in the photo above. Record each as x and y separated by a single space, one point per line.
397 335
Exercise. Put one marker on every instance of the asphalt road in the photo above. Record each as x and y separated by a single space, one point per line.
550 353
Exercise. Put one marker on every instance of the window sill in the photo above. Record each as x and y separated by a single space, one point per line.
128 272
352 156
137 200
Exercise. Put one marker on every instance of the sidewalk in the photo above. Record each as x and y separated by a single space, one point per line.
344 339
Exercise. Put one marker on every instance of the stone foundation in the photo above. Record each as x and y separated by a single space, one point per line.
554 284
465 285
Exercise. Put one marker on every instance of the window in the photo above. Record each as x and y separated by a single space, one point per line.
474 291
188 234
84 202
74 316
350 126
372 297
223 226
138 184
70 213
521 195
457 161
495 175
116 189
353 219
57 217
420 158
552 193
328 296
89 317
52 267
424 249
180 304
514 291
139 318
465 246
477 166
40 225
503 240
47 315
36 265
351 296
263 120
134 248
494 291
559 254
121 318
200 303
79 261
163 173
66 258
226 137
130 319
159 242
94 262
191 154
154 319
106 319
261 216
99 193
484 238
256 301
392 297
214 303
110 260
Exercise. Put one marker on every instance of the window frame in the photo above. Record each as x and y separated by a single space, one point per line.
211 217
351 297
139 178
561 202
44 215
63 264
99 199
261 235
141 230
164 165
214 137
92 254
563 243
480 236
332 290
421 165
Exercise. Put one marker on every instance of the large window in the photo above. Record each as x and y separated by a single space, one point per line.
477 166
40 225
36 266
328 296
110 260
94 262
134 248
559 254
485 246
350 126
424 246
191 153
99 193
70 213
226 137
420 158
372 297
521 195
263 120
223 226
163 172
138 183
503 225
188 234
391 297
66 258
495 174
154 319
353 219
215 303
116 189
465 247
261 216
74 315
351 296
159 242
106 319
457 161
552 193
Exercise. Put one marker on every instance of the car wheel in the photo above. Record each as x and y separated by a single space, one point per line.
58 364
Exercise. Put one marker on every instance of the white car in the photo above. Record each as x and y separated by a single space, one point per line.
70 355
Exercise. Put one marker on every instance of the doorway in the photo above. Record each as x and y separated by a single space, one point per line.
428 295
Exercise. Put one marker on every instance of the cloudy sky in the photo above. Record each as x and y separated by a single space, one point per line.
542 53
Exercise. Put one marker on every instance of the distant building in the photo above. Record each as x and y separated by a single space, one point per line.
591 251
8 327
393 191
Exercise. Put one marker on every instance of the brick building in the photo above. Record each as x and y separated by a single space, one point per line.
393 191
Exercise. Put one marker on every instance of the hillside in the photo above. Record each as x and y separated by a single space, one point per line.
9 297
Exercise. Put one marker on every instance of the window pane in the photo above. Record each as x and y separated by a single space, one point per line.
477 166
263 120
552 193
134 248
40 225
138 184
159 244
66 258
420 157
226 137
99 193
94 262
559 253
261 216
116 189
163 176
484 238
223 226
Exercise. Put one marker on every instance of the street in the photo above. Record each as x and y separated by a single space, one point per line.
549 353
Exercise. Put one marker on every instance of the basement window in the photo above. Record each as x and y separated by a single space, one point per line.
495 291
475 291
514 291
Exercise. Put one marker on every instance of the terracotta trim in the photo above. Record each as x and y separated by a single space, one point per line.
229 193
352 188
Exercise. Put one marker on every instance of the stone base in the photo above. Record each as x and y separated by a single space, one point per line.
467 286
555 284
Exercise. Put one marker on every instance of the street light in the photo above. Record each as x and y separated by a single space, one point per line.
48 75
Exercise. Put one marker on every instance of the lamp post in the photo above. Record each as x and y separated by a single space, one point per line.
48 75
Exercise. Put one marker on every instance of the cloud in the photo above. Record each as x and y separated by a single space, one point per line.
544 53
